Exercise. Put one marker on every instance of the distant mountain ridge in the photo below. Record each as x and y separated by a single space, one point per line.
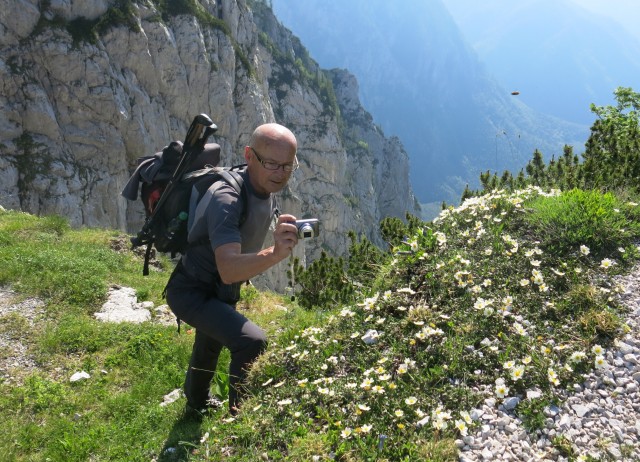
422 82
561 56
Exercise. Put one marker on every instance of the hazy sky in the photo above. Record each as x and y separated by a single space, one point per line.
626 12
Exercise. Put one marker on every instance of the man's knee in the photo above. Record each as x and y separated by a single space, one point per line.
252 346
257 345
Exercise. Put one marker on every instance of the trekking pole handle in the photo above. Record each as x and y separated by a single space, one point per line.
200 129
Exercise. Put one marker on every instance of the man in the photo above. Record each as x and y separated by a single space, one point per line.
205 287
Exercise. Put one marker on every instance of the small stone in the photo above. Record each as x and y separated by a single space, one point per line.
625 348
580 410
511 403
79 376
533 394
631 358
614 452
552 410
487 454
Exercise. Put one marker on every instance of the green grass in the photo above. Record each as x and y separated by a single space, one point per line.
505 293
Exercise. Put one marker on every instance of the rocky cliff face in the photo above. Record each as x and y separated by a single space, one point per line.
87 88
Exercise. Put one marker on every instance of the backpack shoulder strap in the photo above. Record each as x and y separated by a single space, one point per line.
233 178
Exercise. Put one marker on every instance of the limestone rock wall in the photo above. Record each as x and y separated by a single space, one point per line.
78 110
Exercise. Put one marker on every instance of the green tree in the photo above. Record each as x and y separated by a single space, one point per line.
612 155
611 160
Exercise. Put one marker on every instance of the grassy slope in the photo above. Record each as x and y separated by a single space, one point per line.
492 299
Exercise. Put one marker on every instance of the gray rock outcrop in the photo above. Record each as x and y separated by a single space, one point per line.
84 95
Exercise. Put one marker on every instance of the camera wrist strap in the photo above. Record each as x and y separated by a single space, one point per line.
292 279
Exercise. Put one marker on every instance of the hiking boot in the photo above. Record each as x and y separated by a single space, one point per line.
200 412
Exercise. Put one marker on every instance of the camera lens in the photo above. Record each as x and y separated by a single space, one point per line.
305 231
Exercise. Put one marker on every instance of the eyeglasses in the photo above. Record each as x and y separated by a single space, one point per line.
270 165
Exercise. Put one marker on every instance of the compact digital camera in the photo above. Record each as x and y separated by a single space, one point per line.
308 228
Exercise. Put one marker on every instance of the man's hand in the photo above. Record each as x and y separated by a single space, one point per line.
285 236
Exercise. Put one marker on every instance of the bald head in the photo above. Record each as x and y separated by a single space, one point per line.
274 135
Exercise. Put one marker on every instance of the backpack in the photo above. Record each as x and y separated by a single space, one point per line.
166 228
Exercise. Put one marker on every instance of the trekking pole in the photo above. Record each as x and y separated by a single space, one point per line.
200 129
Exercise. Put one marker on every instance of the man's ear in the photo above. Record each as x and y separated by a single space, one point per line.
247 152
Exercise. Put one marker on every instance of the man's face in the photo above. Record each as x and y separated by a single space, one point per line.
261 164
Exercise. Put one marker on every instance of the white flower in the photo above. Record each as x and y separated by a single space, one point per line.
502 390
600 362
520 329
366 384
462 427
439 424
466 417
577 356
378 389
584 250
597 350
606 263
517 372
346 312
536 277
346 433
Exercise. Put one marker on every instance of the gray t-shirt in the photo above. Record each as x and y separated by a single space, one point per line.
217 218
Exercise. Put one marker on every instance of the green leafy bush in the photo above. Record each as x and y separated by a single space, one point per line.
578 218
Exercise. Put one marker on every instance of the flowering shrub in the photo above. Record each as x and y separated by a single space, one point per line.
475 306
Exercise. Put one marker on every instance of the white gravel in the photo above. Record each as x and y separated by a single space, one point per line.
600 418
14 354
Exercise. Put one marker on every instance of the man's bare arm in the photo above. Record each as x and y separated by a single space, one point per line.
234 266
